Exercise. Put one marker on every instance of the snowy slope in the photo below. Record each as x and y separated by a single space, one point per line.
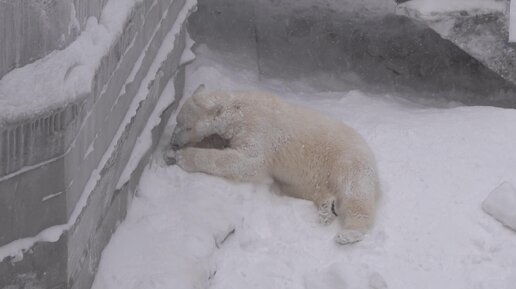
437 163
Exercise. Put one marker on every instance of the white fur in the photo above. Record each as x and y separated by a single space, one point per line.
308 155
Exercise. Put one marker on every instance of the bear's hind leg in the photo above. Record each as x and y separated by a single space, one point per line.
325 209
357 218
356 206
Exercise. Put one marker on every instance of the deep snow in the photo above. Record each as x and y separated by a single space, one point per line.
437 162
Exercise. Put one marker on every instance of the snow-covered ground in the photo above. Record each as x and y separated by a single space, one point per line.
441 15
438 162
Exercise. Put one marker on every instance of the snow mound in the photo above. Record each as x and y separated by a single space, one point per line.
186 225
501 204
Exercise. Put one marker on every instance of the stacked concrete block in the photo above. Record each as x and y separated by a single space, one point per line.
50 162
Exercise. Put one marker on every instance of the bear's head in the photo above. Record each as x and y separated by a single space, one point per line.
202 115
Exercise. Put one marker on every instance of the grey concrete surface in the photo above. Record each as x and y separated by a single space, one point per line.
43 268
25 205
30 29
347 49
484 35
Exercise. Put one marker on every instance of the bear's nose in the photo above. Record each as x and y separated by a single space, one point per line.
175 146
170 158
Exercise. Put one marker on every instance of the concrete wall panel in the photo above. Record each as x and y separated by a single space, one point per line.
32 201
85 243
44 267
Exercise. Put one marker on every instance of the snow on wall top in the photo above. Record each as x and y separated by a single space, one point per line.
363 7
512 21
63 75
34 28
429 8
378 6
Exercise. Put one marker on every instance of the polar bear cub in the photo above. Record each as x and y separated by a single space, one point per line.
307 154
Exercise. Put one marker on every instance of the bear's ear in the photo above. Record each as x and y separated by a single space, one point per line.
203 99
199 89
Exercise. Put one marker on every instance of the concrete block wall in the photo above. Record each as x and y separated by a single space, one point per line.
46 161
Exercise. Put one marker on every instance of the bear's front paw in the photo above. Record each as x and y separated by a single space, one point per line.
170 157
184 159
349 237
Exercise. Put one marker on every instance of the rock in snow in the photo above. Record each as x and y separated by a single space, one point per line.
501 204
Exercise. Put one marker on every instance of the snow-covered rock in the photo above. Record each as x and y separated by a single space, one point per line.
360 49
479 27
436 8
512 22
501 204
